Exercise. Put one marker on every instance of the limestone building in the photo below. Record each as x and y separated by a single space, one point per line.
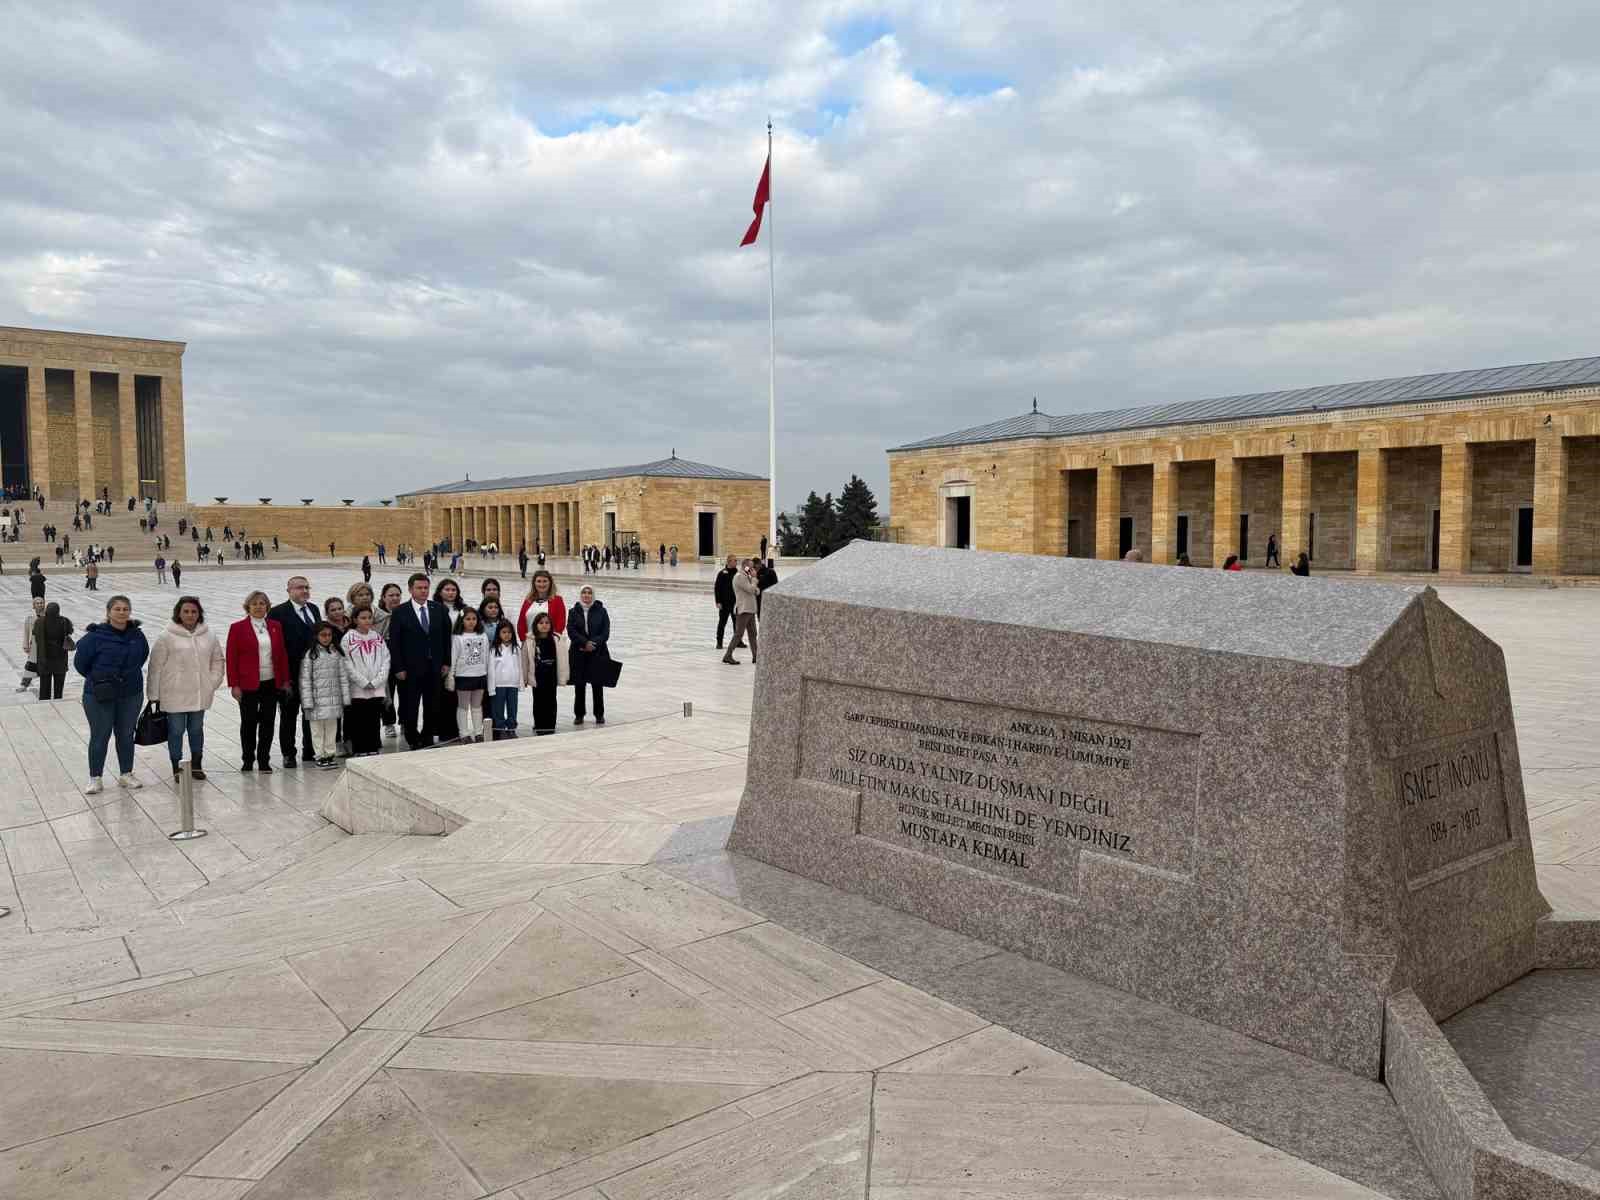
82 412
1472 471
707 512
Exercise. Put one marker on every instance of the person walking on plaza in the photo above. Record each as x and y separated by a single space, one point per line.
30 663
111 657
36 579
589 631
546 669
522 560
297 618
161 569
366 568
746 594
1272 549
330 549
52 639
419 653
177 574
722 591
91 575
324 693
366 662
258 678
187 667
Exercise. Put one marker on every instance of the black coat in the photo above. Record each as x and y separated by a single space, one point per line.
412 649
297 635
36 584
723 588
581 628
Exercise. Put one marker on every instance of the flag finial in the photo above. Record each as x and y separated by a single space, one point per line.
1036 404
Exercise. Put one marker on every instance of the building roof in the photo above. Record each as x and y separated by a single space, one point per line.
667 468
1372 393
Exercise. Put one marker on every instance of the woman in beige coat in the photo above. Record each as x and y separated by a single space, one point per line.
186 669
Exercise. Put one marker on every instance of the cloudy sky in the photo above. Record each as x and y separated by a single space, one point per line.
407 242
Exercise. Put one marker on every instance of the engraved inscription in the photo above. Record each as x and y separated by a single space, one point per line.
1022 794
1452 802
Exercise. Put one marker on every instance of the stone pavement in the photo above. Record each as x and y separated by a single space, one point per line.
546 1005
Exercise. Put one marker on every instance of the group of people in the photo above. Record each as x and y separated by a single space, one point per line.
333 681
737 591
1300 566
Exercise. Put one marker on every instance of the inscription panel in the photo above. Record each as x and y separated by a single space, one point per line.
1452 800
1022 794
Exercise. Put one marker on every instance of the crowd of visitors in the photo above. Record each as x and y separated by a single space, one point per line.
333 680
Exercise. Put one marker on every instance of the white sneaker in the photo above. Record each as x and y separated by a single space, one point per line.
95 787
129 782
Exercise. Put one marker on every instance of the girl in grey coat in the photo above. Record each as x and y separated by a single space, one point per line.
324 692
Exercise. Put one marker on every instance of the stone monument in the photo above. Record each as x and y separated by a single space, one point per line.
1266 801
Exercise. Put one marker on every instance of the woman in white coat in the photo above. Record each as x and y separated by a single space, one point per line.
186 669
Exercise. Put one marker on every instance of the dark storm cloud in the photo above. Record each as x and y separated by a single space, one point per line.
391 274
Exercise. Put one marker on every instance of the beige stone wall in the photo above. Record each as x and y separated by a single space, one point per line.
1261 496
671 505
312 527
1502 480
1195 489
1581 551
1137 485
1412 498
1400 463
81 428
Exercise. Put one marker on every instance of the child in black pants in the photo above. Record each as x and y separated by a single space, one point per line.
541 671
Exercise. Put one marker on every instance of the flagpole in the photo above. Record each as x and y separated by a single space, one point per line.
772 366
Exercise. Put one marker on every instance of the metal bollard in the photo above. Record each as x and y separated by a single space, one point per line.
186 807
688 708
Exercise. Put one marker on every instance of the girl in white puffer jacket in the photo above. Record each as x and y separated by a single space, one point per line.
366 663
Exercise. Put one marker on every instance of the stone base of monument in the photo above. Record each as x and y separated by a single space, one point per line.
654 772
1283 806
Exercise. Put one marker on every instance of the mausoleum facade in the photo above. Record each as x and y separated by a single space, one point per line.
82 412
1473 471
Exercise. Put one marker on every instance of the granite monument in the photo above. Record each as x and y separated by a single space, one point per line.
1267 801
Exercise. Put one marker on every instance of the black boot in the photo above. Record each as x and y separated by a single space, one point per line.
194 767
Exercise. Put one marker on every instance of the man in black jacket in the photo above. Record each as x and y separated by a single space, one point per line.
419 656
299 618
766 577
723 591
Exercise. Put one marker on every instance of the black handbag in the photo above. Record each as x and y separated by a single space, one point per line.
152 727
613 672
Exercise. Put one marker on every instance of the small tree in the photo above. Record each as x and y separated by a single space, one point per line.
817 525
858 512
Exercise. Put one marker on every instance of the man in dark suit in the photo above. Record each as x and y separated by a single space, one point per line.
419 656
588 630
299 618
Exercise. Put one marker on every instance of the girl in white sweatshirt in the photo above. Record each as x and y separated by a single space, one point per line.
469 671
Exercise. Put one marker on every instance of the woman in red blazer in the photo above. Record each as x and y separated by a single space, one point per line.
256 689
542 597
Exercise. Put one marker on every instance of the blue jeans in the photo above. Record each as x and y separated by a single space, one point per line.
107 717
503 707
195 723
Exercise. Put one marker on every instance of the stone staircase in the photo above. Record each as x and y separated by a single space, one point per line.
118 530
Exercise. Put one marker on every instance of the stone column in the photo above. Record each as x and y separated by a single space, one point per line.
83 423
1225 511
1163 511
39 432
127 435
1455 508
1107 510
547 527
1549 500
1296 506
561 528
1372 502
174 480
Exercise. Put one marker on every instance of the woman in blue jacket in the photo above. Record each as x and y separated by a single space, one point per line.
111 658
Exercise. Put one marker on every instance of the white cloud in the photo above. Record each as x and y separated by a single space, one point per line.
368 235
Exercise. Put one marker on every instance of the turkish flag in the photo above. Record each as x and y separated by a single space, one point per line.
760 203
